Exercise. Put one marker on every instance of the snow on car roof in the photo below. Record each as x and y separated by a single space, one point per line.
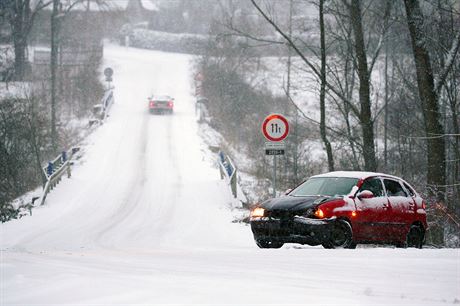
354 174
161 97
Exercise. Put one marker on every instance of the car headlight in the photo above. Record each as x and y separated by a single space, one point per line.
319 213
257 212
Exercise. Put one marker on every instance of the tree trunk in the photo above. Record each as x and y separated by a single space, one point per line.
366 122
19 56
20 22
322 94
436 176
385 122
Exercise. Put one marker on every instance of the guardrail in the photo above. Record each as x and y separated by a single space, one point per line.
228 171
102 109
55 170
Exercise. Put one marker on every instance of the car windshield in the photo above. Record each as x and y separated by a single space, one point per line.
325 186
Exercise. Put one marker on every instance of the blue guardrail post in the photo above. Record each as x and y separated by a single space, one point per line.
49 169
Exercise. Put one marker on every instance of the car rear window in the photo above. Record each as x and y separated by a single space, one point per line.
326 186
161 98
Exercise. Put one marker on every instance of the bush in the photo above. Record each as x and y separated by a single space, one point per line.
182 43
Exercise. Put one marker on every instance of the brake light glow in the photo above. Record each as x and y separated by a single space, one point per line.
170 104
424 205
152 104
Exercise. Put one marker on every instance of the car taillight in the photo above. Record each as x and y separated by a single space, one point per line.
152 104
424 205
170 104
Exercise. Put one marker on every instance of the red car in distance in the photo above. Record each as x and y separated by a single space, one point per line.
161 104
341 209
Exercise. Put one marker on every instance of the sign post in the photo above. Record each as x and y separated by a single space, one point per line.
275 128
108 72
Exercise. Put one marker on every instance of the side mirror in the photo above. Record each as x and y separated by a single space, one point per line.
365 194
288 191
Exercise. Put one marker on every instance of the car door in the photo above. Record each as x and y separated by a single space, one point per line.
403 208
413 203
372 213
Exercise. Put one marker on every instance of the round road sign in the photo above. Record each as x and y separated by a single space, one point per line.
275 127
108 72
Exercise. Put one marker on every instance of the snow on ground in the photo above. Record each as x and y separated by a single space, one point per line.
145 219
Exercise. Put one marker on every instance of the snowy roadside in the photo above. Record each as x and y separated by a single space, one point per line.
74 134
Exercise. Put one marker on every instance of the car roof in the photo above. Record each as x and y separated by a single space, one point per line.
355 174
161 97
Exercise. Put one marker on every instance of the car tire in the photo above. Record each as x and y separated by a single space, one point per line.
401 245
341 236
415 237
267 244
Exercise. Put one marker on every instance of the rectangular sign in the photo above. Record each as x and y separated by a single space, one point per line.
274 152
274 148
275 145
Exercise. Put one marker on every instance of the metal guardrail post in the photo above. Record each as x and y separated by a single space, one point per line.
68 171
228 171
233 184
55 170
49 169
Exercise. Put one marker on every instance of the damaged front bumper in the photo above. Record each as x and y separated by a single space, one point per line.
296 230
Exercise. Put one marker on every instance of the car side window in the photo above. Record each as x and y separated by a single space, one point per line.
374 185
409 189
394 188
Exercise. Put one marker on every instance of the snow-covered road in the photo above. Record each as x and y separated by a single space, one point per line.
146 220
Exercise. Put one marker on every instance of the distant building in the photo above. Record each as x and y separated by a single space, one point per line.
93 19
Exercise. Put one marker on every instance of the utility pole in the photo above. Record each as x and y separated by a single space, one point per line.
288 92
53 69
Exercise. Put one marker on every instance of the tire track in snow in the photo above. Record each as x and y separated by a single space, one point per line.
171 184
135 191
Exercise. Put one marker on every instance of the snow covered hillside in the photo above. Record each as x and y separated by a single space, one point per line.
145 220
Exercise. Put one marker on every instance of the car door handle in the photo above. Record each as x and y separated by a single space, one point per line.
386 206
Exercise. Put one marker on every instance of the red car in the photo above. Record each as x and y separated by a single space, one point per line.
341 209
161 104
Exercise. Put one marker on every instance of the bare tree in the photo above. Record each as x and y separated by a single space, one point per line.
21 15
365 115
322 94
427 90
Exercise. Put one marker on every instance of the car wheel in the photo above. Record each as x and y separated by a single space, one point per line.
415 237
267 244
341 236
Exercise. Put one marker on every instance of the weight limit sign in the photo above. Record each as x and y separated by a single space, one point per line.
275 127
